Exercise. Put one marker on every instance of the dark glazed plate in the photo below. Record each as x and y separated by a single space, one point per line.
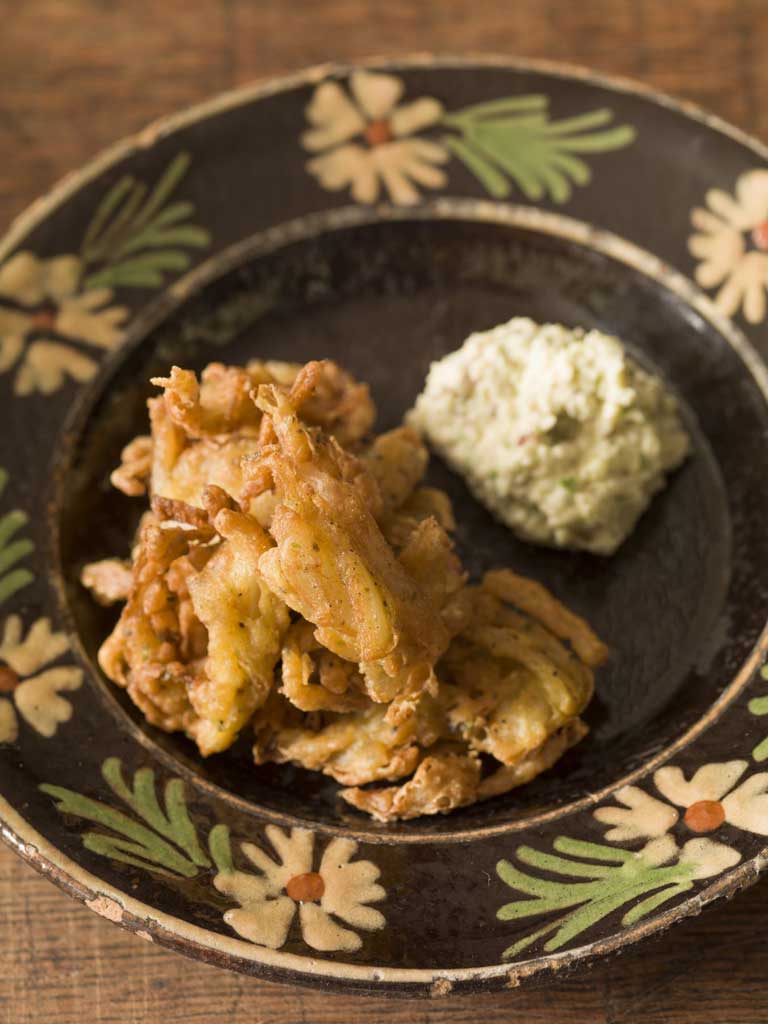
378 216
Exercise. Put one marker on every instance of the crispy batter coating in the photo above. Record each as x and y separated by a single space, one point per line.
198 640
201 432
511 776
245 623
265 502
508 684
443 781
430 501
429 558
360 746
332 564
108 580
132 475
450 776
218 406
338 404
316 679
181 470
431 562
399 524
397 462
155 649
535 600
191 445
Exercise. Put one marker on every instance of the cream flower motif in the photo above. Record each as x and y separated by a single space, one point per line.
641 817
41 301
732 244
339 888
386 154
704 856
37 698
47 364
709 798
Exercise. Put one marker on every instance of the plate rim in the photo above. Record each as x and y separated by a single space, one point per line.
261 88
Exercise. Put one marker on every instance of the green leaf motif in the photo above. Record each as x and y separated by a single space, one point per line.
159 839
221 849
599 880
512 141
137 236
13 549
758 706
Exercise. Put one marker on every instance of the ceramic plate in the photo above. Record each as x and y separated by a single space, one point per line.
377 216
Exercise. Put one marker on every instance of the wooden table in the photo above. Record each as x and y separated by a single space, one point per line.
76 74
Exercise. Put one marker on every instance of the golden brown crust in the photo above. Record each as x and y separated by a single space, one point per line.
338 404
132 475
398 524
245 623
509 777
219 405
108 580
144 652
442 782
264 499
333 566
508 684
535 600
397 462
360 746
316 679
199 637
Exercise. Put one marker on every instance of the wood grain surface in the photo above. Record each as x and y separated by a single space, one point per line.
77 74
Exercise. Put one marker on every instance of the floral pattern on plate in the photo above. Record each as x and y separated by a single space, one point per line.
759 706
368 140
48 303
388 153
33 684
709 799
164 840
731 242
13 549
269 899
57 314
715 795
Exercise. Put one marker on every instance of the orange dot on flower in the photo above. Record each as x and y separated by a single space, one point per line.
306 888
760 236
704 816
378 132
44 320
8 679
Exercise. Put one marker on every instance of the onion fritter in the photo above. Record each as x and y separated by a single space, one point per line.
332 564
360 746
508 684
108 580
535 600
201 431
156 649
450 777
245 623
443 781
198 640
132 475
316 679
397 462
296 576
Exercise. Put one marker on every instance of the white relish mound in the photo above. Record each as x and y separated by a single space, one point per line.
557 430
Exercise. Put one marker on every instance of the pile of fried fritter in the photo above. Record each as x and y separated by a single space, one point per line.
293 577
